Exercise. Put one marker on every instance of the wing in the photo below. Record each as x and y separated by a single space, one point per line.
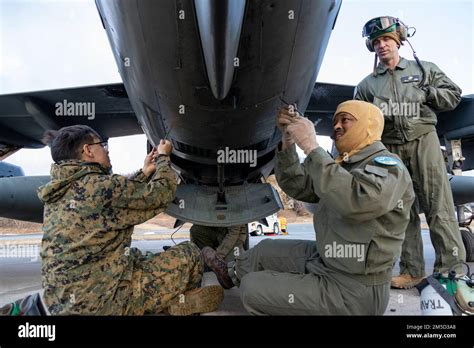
323 103
25 116
455 124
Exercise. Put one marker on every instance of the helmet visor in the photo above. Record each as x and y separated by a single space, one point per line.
378 26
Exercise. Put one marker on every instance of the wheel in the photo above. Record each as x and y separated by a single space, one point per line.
276 229
259 231
468 240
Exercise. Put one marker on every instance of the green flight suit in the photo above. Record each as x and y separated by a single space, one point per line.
227 241
410 133
364 208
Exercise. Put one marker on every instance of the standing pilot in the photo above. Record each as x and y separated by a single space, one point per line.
410 93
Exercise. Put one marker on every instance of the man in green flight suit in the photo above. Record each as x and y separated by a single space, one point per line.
88 266
409 93
364 199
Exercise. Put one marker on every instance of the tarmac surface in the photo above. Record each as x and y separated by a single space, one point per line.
20 273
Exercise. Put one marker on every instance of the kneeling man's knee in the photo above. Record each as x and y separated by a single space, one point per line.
252 292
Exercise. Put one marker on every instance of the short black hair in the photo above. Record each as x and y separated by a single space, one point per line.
66 143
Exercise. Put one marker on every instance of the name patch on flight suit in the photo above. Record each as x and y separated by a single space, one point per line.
387 161
410 78
382 172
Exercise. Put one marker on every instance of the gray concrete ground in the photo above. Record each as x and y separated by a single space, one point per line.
20 274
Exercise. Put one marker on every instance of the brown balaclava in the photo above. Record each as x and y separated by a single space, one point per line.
366 130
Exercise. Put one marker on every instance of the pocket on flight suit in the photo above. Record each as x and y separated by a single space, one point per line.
436 194
349 247
383 103
412 109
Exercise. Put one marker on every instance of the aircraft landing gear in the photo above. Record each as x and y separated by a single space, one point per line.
455 160
466 232
468 241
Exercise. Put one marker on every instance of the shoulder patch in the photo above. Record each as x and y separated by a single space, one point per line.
379 171
387 161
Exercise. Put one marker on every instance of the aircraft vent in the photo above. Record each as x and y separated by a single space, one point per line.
212 153
193 150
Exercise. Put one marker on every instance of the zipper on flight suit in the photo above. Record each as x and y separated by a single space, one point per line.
400 125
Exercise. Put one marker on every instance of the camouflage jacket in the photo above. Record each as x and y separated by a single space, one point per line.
88 224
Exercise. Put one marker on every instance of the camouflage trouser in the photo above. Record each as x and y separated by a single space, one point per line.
227 241
288 277
161 278
424 160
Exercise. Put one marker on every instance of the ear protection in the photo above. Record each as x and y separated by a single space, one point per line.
401 28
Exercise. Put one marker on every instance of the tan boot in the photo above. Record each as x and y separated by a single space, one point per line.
405 281
199 300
